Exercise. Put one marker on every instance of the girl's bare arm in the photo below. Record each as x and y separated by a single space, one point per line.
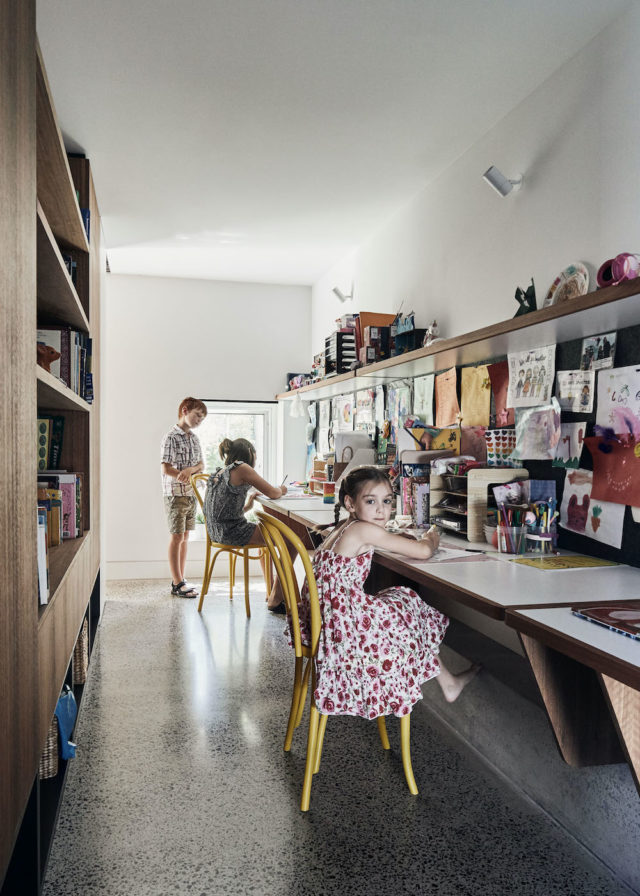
246 475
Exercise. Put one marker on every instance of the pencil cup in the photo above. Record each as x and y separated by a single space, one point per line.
328 492
512 539
541 540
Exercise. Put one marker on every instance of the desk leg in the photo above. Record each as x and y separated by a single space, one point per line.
624 703
575 705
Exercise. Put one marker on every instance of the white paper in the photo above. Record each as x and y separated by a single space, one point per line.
531 376
423 398
600 520
575 390
569 448
619 400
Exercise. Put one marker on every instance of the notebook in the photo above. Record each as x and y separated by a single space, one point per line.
621 618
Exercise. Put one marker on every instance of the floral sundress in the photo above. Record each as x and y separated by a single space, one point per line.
375 650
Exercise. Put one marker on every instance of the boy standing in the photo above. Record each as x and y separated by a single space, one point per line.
181 457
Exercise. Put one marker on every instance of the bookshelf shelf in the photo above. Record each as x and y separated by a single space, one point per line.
56 192
62 560
611 308
53 395
57 296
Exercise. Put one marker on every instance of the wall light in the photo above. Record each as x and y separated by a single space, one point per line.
500 183
341 295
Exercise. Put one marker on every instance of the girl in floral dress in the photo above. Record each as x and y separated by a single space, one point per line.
375 651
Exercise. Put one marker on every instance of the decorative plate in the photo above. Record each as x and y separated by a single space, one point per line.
569 284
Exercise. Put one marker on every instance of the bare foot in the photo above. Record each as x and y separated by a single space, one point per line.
453 685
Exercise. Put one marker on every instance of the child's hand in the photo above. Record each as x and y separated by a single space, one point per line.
283 489
183 476
250 501
432 538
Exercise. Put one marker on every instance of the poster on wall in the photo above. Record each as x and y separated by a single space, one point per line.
476 395
619 400
447 407
399 398
598 352
531 376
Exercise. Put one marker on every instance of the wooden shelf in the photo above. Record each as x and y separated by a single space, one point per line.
61 563
54 395
606 309
55 185
57 296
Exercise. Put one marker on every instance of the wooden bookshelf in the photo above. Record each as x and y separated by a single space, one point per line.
39 220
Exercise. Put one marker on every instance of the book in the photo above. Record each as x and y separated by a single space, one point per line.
621 618
44 439
55 441
55 498
79 516
66 483
43 562
44 504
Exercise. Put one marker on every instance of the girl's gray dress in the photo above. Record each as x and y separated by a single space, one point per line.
223 509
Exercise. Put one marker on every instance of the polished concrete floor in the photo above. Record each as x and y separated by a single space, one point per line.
181 786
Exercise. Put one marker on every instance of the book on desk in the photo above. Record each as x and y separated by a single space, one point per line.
621 618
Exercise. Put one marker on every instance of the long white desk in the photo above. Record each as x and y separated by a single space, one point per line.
589 678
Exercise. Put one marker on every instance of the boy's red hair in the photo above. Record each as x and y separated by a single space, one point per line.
191 404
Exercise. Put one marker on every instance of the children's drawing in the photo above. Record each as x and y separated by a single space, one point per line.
399 398
344 414
580 512
537 432
531 376
500 445
476 395
423 398
569 447
598 351
499 376
619 400
616 468
473 442
365 419
575 390
447 407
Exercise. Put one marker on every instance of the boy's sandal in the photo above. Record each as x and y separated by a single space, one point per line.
183 590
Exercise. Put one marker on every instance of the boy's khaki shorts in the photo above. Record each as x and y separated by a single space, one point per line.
181 513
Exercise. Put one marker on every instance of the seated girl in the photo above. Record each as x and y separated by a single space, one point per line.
375 651
225 502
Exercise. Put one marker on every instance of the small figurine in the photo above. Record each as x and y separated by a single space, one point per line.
431 334
46 356
526 300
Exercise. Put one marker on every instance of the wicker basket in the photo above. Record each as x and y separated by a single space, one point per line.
48 767
81 655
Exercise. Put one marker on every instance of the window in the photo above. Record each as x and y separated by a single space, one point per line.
252 420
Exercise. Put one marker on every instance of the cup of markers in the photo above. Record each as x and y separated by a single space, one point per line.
542 532
512 539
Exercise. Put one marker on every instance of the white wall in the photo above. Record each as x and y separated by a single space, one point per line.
458 251
165 339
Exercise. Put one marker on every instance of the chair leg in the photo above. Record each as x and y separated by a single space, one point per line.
232 573
267 570
382 731
208 572
321 730
292 724
245 562
314 718
302 697
406 753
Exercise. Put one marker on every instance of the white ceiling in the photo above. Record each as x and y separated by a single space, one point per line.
261 140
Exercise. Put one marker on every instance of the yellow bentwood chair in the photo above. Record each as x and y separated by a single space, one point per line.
214 549
277 535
